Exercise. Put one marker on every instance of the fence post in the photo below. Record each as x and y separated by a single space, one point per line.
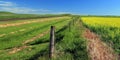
52 42
73 22
69 26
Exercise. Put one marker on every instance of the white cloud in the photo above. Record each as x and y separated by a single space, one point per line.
44 10
6 4
22 10
64 12
13 7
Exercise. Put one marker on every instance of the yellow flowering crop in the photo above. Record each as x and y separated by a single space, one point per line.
105 21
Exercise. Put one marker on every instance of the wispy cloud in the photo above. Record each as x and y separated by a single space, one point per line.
64 12
13 7
6 4
23 10
16 8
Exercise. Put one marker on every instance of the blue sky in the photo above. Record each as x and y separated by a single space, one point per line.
88 7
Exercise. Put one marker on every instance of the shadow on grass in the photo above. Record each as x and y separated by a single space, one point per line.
44 53
40 53
59 35
41 41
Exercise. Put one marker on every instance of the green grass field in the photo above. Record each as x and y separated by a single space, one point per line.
8 16
13 36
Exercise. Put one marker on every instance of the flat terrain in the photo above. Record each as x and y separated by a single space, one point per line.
29 39
76 38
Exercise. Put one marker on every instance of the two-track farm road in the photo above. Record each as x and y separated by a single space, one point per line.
97 49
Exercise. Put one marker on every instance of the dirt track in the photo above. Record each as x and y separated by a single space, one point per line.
97 49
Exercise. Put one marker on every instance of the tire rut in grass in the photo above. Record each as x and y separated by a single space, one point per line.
13 32
97 49
1 35
30 40
17 49
27 22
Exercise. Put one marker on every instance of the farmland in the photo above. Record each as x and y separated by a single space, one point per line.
8 16
28 39
108 28
76 38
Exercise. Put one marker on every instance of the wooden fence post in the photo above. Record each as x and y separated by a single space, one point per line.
73 22
69 26
52 42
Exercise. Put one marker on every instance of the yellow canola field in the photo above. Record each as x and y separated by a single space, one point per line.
104 21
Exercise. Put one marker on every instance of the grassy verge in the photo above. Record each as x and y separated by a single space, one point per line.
70 45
